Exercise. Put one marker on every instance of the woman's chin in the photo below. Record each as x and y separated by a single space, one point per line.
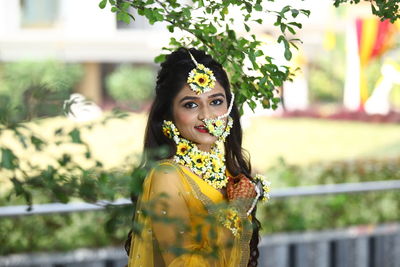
206 144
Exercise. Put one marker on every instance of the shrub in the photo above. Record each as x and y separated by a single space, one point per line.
131 85
331 211
37 89
92 229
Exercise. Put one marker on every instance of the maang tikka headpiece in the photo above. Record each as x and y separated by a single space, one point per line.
200 79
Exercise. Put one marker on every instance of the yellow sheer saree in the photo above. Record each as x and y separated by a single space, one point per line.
178 217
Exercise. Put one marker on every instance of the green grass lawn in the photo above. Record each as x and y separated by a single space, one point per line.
297 141
304 141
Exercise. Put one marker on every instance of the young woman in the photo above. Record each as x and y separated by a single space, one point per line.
197 207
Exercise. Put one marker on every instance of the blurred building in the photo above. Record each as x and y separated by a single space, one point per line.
76 31
79 31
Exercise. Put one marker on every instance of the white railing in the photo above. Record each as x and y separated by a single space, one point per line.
314 190
361 246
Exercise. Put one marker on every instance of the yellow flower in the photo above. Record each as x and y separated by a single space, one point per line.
182 149
211 128
216 165
199 160
212 84
202 79
218 123
207 175
167 132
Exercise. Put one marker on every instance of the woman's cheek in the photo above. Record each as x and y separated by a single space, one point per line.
186 117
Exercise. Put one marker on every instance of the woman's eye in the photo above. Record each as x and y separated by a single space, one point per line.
217 102
190 105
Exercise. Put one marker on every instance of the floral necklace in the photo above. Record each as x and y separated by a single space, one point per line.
208 165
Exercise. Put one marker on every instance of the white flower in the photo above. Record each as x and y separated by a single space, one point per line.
77 108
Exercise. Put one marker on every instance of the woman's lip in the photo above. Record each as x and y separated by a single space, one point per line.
201 129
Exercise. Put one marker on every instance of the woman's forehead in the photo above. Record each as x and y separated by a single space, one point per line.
187 91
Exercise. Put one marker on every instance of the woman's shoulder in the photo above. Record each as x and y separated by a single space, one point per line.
166 169
166 165
166 176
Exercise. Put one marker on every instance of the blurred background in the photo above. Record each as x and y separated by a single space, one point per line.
339 122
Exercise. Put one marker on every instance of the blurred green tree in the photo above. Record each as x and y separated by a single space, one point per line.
131 85
210 26
37 89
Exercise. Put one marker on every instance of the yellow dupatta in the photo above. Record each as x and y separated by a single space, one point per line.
175 217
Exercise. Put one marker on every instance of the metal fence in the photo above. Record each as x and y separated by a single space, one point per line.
368 246
314 190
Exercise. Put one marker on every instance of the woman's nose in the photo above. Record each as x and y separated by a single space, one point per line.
204 113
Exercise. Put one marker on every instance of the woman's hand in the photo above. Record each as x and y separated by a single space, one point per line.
240 189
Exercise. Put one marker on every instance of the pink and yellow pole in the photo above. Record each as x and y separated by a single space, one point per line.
374 38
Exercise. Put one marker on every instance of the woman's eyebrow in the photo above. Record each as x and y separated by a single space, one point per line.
196 98
215 95
188 98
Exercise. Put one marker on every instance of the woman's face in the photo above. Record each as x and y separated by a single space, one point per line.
189 109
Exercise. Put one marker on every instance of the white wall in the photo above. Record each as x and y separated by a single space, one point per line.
9 16
85 18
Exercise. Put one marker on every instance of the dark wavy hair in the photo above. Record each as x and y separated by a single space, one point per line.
170 80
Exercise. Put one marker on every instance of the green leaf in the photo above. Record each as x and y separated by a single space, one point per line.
263 80
284 10
103 4
231 34
75 136
305 12
276 100
288 54
160 58
8 159
247 27
171 28
22 139
252 104
295 13
249 7
291 30
298 25
258 7
278 21
212 29
114 9
37 142
125 6
64 160
123 16
259 53
283 28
